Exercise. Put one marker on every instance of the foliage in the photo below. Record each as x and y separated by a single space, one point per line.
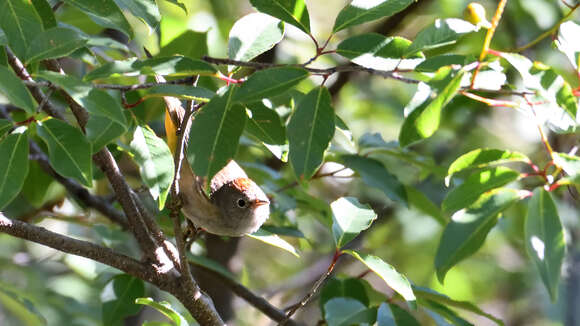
457 188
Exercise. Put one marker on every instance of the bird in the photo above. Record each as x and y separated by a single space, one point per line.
236 205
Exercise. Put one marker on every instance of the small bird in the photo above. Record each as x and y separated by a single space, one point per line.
236 205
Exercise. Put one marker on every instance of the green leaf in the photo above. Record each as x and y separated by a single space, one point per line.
432 295
96 101
253 35
179 4
394 280
21 307
310 130
269 82
477 184
393 315
145 10
482 158
569 163
13 165
190 44
101 131
349 288
215 133
167 66
185 92
449 314
14 90
265 124
165 308
274 240
349 218
376 51
348 311
69 152
362 11
442 32
105 13
434 63
291 11
5 125
419 201
45 12
211 264
566 100
567 42
544 236
118 297
374 174
155 163
20 23
422 122
54 43
469 227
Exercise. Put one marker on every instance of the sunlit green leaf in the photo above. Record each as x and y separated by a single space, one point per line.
442 32
274 240
362 11
544 236
349 219
477 184
105 13
186 92
253 35
165 308
291 11
13 165
190 44
469 227
567 42
155 162
69 152
146 10
394 280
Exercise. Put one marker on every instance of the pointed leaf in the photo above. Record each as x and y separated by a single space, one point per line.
469 227
146 10
13 165
119 296
269 82
310 130
544 236
14 90
69 152
442 32
105 13
349 218
424 120
362 11
478 183
96 101
215 133
484 157
394 280
379 52
165 308
155 163
20 23
54 43
265 124
168 66
291 11
101 131
274 240
374 174
253 35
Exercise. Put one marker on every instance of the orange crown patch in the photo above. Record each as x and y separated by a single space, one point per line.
243 184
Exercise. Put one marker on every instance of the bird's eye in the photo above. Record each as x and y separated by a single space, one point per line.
241 203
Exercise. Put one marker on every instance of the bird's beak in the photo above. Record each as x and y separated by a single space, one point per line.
260 202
